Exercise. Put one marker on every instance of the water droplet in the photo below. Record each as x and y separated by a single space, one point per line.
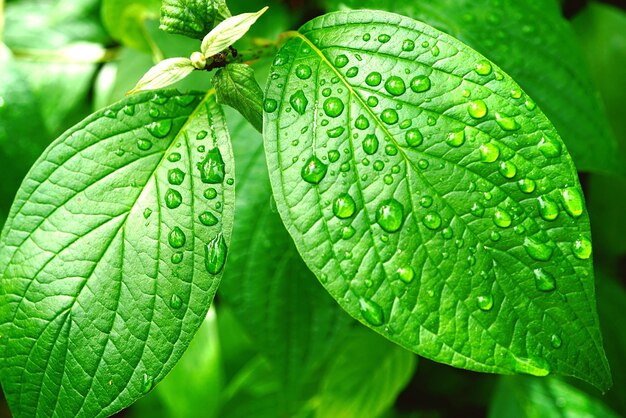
335 132
483 67
333 156
537 250
390 215
147 213
456 139
352 72
303 71
423 164
176 302
447 233
177 257
344 206
147 383
572 202
299 102
160 128
185 100
174 157
154 113
362 123
372 312
516 93
432 220
370 144
210 193
201 135
129 110
389 116
212 168
177 238
395 86
405 274
341 61
173 199
372 101
270 105
413 138
215 254
367 37
347 232
548 208
485 302
426 201
477 109
555 341
507 169
477 209
176 176
506 123
420 84
384 38
314 170
408 45
501 218
582 248
373 79
544 281
109 113
495 236
388 179
280 60
527 185
144 144
391 150
435 51
549 147
379 165
489 152
530 105
208 219
333 107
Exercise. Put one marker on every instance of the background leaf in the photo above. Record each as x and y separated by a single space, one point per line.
236 87
126 22
435 205
533 43
112 254
192 18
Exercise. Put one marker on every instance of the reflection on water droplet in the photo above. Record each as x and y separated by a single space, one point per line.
432 220
477 109
426 201
384 38
537 250
335 132
212 168
485 302
333 156
177 238
362 123
548 208
582 248
544 281
373 79
314 170
173 199
109 113
352 72
177 258
210 193
555 341
161 128
129 109
270 105
507 169
390 215
341 61
372 312
299 102
495 236
477 209
572 201
534 367
144 144
447 233
408 45
215 254
174 157
347 232
389 116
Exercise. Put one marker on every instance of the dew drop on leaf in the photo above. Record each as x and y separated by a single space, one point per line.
347 232
537 250
477 109
333 107
215 254
176 302
548 208
314 170
420 84
544 281
147 383
555 341
408 45
333 156
390 215
129 110
109 113
147 213
389 116
502 218
507 169
483 67
176 176
456 139
370 144
406 274
144 144
485 302
176 238
303 71
582 248
210 193
161 128
384 38
299 102
174 157
549 147
173 199
506 123
344 206
395 86
373 79
413 138
432 220
372 312
352 72
477 209
341 61
212 168
489 152
527 185
270 105
426 201
362 123
208 219
177 257
336 132
572 201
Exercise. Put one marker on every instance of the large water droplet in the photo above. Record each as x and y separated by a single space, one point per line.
389 116
144 144
333 107
208 219
173 199
210 193
161 128
572 201
507 169
537 250
215 254
432 220
333 156
373 79
489 152
335 132
420 84
477 109
413 137
548 208
314 170
426 201
527 185
456 139
477 209
405 274
485 302
299 102
347 232
370 144
408 45
344 206
507 123
395 86
212 168
390 215
362 123
341 61
544 281
352 72
176 176
582 248
270 105
177 238
129 109
384 38
550 148
372 312
483 67
502 218
303 71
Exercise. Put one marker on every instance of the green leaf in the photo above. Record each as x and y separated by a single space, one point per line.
236 87
112 253
165 73
432 205
527 397
228 32
288 315
192 18
535 45
365 377
126 21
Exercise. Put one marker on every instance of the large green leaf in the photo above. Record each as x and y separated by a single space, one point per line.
532 42
365 377
193 18
290 318
112 253
432 198
527 397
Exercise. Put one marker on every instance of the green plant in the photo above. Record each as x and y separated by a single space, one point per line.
421 182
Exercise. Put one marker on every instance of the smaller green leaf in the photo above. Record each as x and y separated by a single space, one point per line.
163 74
236 87
366 377
228 32
192 18
530 397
